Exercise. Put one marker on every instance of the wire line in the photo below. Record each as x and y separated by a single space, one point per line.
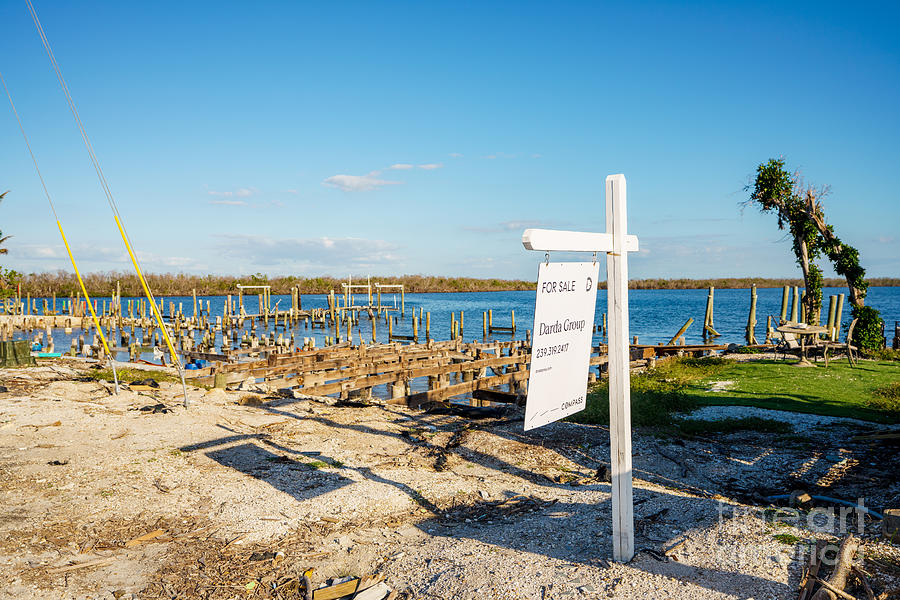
109 196
112 359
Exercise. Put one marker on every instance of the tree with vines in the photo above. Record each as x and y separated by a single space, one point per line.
799 209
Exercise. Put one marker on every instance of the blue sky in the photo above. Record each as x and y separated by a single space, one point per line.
392 138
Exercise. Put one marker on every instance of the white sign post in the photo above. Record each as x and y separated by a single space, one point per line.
616 243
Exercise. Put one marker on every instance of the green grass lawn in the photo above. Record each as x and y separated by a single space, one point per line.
870 391
861 392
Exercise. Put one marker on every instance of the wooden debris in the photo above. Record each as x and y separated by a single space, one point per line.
348 587
861 575
834 591
97 562
812 571
235 540
145 538
890 526
837 581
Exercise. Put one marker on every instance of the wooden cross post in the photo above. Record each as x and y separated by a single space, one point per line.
615 243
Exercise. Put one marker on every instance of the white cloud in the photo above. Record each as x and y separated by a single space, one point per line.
93 257
371 181
292 191
455 155
240 193
37 252
229 202
306 254
357 183
517 225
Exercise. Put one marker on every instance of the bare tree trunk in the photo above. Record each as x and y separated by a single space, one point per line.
813 308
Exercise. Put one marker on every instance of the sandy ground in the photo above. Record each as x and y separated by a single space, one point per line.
443 506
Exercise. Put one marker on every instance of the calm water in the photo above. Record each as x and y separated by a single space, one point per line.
655 315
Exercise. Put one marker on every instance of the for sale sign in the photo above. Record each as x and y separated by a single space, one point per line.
561 347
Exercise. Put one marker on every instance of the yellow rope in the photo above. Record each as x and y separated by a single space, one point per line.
84 291
149 296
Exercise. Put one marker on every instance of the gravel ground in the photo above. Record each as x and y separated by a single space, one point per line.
442 506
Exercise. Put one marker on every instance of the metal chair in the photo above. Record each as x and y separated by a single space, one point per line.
851 350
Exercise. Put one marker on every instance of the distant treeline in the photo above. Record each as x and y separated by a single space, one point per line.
102 284
167 284
745 283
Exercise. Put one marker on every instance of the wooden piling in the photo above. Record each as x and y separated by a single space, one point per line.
795 305
839 309
680 332
751 318
832 310
331 304
785 294
708 317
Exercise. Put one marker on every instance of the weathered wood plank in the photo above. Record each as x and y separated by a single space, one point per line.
440 394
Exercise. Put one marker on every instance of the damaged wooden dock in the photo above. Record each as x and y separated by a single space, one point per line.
412 374
444 369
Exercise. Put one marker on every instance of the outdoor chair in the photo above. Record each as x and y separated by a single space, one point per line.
848 347
788 344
